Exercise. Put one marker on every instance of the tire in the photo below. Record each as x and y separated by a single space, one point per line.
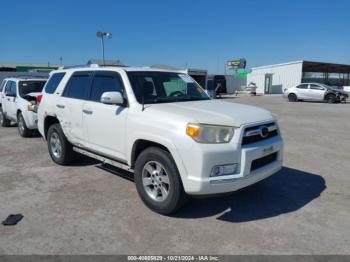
22 127
292 98
4 122
61 151
330 99
161 191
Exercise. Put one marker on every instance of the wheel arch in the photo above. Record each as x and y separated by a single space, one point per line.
327 94
48 121
140 145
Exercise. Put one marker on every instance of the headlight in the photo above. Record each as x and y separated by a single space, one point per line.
210 134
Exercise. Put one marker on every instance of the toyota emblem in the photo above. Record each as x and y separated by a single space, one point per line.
264 131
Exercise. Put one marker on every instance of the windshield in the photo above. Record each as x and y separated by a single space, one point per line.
165 87
27 87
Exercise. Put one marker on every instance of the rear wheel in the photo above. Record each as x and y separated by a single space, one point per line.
22 127
158 182
4 122
330 99
292 98
61 151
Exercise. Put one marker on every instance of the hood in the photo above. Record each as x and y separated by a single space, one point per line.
338 91
212 112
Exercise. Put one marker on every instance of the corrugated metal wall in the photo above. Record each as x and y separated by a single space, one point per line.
283 76
234 83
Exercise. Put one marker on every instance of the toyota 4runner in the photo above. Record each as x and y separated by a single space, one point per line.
161 125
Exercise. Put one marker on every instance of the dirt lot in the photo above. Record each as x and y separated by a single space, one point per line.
86 209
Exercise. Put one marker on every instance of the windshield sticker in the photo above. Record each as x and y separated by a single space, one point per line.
186 78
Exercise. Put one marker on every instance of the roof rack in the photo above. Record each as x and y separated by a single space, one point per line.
78 66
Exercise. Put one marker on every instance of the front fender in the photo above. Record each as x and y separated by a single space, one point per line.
164 141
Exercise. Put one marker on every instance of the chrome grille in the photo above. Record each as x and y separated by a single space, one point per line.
258 133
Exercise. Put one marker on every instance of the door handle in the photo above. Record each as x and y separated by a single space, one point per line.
60 106
88 112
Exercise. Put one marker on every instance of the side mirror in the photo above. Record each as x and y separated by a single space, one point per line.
112 98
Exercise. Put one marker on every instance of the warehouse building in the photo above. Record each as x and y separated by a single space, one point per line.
25 70
273 79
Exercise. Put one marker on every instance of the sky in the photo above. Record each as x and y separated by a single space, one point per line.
200 34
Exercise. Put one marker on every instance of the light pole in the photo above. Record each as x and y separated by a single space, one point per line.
101 35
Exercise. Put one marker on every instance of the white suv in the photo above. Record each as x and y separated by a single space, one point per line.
19 102
161 125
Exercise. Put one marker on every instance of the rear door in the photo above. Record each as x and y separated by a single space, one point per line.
303 91
105 124
70 105
316 92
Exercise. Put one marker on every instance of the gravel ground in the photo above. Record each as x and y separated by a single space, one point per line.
88 209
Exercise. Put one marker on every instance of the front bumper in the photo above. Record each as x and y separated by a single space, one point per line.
245 155
31 119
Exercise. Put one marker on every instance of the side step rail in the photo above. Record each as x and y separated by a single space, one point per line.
103 159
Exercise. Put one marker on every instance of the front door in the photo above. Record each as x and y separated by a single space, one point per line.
9 100
105 124
317 92
268 83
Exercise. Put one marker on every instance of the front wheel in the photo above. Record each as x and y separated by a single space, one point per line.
61 151
330 99
22 127
158 182
4 122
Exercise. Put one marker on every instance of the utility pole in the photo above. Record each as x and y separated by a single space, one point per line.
102 35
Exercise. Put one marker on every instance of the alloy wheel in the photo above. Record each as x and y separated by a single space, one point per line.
55 145
155 181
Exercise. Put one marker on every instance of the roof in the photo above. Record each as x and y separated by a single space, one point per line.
312 66
14 65
281 64
27 78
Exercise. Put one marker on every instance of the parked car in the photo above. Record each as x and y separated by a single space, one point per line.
20 98
315 92
161 125
346 88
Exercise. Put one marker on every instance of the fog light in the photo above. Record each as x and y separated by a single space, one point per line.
224 170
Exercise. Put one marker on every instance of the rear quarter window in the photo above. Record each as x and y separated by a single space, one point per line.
53 82
303 86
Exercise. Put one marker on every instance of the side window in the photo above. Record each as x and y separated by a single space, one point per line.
316 87
8 87
77 85
303 86
53 82
13 88
105 82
